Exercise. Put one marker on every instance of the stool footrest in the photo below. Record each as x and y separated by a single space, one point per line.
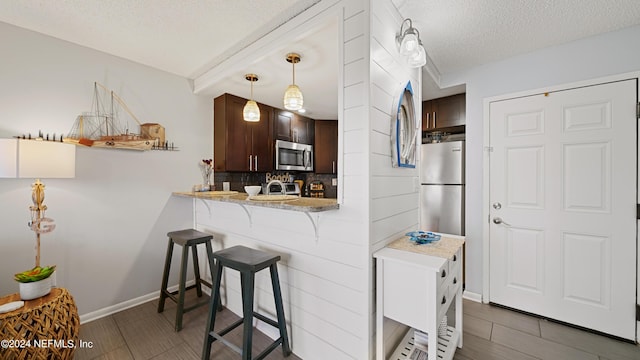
263 354
228 328
172 294
231 345
269 349
194 306
266 319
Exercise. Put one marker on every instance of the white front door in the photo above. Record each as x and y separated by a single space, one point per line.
562 238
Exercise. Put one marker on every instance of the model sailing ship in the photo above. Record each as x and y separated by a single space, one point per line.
102 127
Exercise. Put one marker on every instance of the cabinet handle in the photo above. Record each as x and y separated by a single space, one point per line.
444 300
434 120
250 163
444 273
427 120
256 161
455 281
455 258
333 167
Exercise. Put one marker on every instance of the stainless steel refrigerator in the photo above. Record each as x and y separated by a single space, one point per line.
442 187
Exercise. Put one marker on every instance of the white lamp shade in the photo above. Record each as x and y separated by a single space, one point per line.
46 159
409 44
293 99
418 58
8 158
251 112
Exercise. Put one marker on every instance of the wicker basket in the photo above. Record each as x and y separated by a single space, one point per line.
47 327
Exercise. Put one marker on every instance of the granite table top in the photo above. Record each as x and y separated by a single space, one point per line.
303 204
446 247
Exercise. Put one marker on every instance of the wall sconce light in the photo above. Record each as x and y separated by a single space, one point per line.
251 112
410 45
293 99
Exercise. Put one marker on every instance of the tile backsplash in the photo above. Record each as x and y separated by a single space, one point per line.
238 181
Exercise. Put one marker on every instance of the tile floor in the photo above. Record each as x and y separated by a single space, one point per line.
142 333
490 333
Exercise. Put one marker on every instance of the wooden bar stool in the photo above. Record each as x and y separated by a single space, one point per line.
188 239
248 262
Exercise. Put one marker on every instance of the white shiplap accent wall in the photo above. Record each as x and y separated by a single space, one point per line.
325 279
321 279
328 281
394 194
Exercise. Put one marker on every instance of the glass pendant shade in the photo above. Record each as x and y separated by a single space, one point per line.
293 99
418 58
410 42
251 112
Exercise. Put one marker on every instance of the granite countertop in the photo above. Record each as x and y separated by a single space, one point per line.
303 204
446 247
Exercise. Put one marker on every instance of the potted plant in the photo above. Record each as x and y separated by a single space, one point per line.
36 282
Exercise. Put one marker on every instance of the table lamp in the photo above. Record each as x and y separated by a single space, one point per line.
43 159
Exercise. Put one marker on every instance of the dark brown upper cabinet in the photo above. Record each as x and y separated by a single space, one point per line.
326 146
239 145
290 126
444 114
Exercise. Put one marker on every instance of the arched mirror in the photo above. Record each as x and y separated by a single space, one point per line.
404 130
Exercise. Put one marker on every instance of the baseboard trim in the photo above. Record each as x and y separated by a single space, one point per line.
472 296
110 310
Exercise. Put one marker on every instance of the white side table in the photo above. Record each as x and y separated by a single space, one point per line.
416 285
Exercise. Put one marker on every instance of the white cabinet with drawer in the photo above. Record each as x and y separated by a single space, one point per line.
416 285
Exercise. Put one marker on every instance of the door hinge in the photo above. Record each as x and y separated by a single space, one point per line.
637 312
637 211
638 110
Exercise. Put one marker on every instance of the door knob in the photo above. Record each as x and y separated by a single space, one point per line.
498 221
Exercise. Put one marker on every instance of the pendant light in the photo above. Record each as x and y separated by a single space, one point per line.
251 112
293 96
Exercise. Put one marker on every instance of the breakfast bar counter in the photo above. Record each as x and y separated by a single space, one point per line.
284 202
323 272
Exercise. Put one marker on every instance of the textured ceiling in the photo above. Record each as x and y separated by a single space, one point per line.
190 37
184 37
459 34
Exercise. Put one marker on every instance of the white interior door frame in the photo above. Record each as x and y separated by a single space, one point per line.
486 169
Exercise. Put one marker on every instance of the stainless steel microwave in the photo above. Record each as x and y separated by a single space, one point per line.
293 156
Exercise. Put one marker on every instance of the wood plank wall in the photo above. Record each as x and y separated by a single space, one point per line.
324 279
328 280
394 195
